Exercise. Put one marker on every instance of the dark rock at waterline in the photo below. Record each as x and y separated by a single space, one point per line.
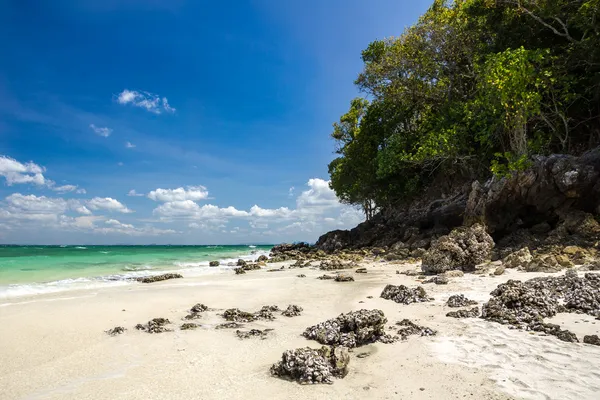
409 328
157 278
214 264
310 366
404 295
350 330
156 325
240 271
262 258
241 263
592 339
117 330
470 313
459 300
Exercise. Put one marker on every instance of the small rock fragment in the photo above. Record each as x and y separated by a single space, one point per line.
117 330
156 325
189 326
592 339
410 328
292 311
470 313
404 295
158 278
459 300
344 278
214 264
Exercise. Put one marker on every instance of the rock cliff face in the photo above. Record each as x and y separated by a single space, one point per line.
558 196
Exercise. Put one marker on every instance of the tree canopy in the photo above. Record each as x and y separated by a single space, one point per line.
478 83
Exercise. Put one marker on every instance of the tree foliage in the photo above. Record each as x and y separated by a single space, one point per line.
483 83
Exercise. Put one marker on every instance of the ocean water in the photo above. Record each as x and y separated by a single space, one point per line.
29 270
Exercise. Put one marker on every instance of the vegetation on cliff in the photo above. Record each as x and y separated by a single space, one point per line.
474 88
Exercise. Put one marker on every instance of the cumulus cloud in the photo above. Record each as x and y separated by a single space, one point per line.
291 191
104 132
16 172
66 189
193 193
149 101
187 209
133 193
129 145
108 204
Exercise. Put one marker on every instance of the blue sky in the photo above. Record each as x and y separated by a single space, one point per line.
215 114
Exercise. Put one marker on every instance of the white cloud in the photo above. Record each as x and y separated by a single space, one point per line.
320 196
187 209
81 191
129 145
16 172
108 204
104 132
66 189
193 193
282 212
133 193
149 101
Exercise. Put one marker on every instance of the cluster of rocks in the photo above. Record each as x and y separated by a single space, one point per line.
189 326
265 313
229 325
157 278
409 328
404 295
459 300
243 266
350 330
311 366
526 304
156 325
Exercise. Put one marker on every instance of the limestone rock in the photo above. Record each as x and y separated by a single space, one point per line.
455 273
236 315
310 366
344 278
158 278
459 300
409 328
253 333
592 339
350 330
214 264
188 326
404 295
499 270
117 330
326 277
518 259
462 249
470 313
438 280
292 311
240 271
262 258
229 325
361 271
241 263
156 325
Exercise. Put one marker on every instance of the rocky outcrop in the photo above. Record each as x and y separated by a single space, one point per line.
158 278
350 330
404 295
310 366
463 249
518 259
196 311
292 311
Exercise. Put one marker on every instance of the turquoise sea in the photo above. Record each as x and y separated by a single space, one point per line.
28 270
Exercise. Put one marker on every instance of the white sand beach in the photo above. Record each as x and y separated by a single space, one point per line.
54 346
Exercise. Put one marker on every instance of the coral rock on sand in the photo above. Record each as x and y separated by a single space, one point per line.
554 330
196 311
214 264
518 259
410 328
459 300
438 280
350 330
266 312
325 277
240 271
310 366
262 258
157 278
235 315
301 276
404 295
470 313
344 278
292 311
253 333
454 274
462 249
117 330
592 339
229 325
156 325
188 326
332 265
361 271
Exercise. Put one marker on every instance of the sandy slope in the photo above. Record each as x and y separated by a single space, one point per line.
54 346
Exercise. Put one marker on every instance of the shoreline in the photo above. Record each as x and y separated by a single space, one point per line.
49 340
